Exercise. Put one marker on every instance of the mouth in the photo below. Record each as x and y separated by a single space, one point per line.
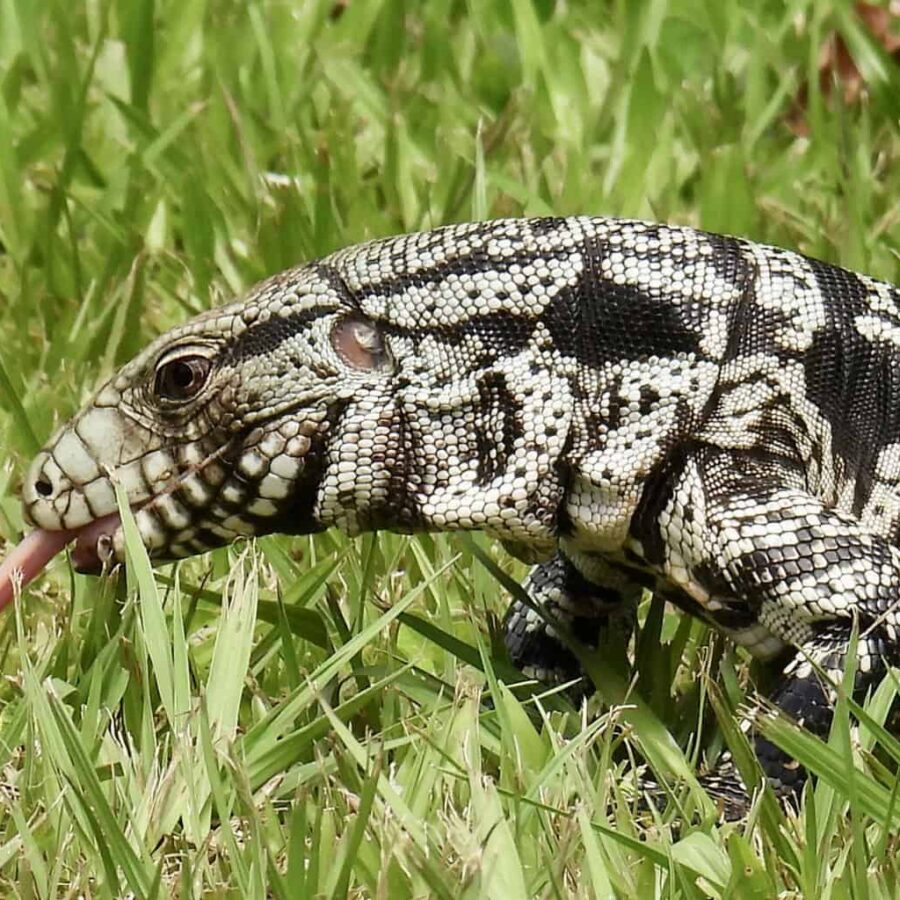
205 506
94 543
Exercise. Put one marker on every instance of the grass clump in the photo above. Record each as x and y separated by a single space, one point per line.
306 717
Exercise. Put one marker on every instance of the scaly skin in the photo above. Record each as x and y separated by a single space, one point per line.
632 404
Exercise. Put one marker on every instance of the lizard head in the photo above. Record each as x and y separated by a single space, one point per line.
367 390
220 428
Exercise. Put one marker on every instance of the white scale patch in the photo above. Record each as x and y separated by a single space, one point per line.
882 511
100 496
262 507
77 512
253 464
173 513
153 536
758 640
79 465
273 487
195 490
285 467
877 330
233 493
682 270
786 284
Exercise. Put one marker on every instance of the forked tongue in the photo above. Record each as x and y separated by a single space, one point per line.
27 560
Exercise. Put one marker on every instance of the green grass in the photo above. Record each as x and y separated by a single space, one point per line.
158 157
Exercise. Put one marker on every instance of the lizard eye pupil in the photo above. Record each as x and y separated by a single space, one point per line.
182 379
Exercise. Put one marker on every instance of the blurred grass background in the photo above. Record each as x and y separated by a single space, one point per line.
303 718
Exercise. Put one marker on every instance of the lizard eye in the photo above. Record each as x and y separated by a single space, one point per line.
181 379
360 345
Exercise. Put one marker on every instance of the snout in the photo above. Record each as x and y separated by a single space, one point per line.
70 482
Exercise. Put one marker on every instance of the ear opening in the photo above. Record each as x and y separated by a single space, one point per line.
360 344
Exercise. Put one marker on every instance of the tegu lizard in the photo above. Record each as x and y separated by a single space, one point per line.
630 405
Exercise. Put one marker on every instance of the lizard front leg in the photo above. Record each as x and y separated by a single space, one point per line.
807 695
773 566
591 612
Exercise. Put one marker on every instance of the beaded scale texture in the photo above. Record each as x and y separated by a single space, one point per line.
625 404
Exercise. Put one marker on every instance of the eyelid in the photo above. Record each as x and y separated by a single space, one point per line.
185 350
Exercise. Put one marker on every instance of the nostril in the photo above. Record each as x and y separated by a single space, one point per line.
43 487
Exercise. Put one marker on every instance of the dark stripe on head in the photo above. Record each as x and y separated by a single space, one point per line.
337 284
298 515
400 511
505 333
265 337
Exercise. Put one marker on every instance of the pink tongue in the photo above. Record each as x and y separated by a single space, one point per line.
26 560
38 548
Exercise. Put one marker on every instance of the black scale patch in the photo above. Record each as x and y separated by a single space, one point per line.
599 322
853 381
265 337
500 426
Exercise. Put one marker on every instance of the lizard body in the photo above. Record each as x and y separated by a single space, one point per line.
625 404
